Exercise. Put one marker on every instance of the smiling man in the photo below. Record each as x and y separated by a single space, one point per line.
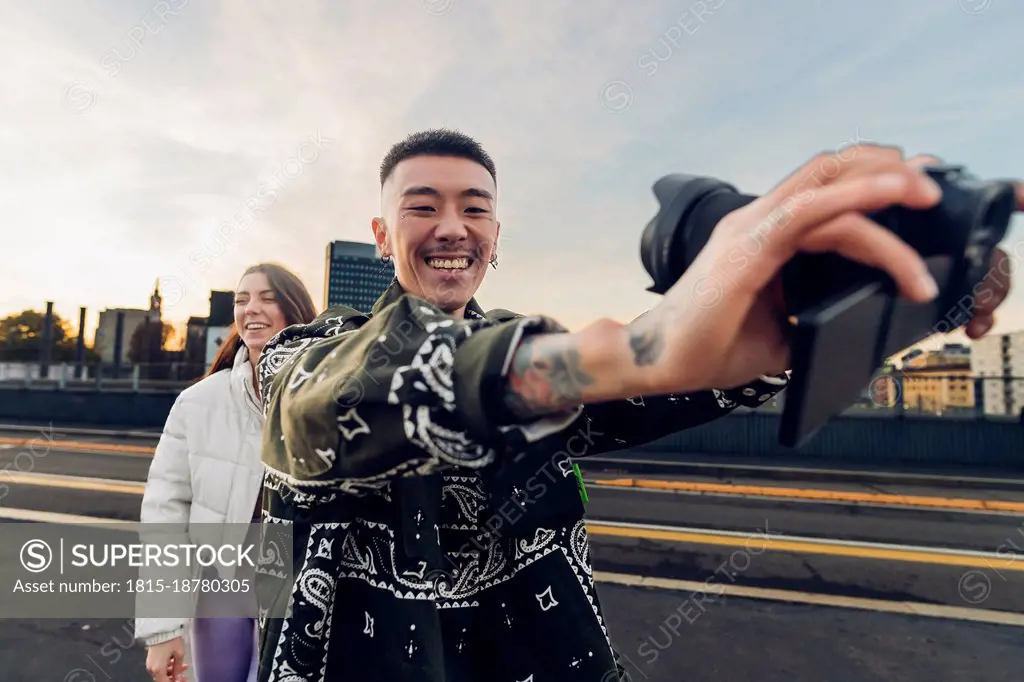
422 452
442 214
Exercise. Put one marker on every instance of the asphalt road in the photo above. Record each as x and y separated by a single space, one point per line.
734 638
762 641
852 576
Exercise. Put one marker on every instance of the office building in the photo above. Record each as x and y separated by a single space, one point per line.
999 361
219 322
355 275
204 335
195 345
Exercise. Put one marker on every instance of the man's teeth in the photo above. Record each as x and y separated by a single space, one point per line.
448 263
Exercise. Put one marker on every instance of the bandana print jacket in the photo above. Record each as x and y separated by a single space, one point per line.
434 537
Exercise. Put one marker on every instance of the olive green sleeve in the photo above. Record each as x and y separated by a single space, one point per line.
352 402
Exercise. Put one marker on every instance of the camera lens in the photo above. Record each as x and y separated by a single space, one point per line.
690 208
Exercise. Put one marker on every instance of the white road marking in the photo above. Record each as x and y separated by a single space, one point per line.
794 597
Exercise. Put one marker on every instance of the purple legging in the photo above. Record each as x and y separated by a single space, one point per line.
223 649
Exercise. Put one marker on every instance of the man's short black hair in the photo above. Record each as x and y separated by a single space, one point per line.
437 142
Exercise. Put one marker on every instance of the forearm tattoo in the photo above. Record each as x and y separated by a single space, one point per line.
545 377
646 341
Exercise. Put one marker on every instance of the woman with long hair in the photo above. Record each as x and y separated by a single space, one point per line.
207 470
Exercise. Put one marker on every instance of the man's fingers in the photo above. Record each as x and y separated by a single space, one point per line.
992 291
791 218
831 167
855 237
979 326
923 160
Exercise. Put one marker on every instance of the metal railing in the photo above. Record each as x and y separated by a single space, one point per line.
898 394
162 376
914 394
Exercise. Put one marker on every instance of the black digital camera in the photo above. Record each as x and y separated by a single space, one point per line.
845 318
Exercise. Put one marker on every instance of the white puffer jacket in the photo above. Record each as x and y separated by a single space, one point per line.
206 469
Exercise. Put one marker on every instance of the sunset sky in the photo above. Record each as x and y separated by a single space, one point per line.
133 131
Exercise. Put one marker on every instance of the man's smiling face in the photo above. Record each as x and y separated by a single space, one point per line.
440 226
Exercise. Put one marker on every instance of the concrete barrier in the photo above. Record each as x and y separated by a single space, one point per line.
100 408
924 441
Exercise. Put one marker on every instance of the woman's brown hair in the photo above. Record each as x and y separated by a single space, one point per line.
292 297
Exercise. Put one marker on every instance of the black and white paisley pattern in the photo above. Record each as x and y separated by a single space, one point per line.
302 653
723 400
332 326
468 499
542 537
336 553
514 598
275 356
425 390
580 545
423 429
354 486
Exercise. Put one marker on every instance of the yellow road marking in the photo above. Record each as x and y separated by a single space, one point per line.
649 484
639 581
829 547
826 546
36 444
816 494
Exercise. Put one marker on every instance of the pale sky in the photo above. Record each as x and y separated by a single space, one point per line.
133 131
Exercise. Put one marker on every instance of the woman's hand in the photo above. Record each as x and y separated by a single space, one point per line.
165 661
722 324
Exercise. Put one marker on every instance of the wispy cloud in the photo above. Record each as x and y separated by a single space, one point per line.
195 106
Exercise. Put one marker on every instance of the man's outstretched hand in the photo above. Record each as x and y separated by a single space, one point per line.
730 334
723 323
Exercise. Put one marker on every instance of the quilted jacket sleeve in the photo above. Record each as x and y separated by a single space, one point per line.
166 501
168 494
